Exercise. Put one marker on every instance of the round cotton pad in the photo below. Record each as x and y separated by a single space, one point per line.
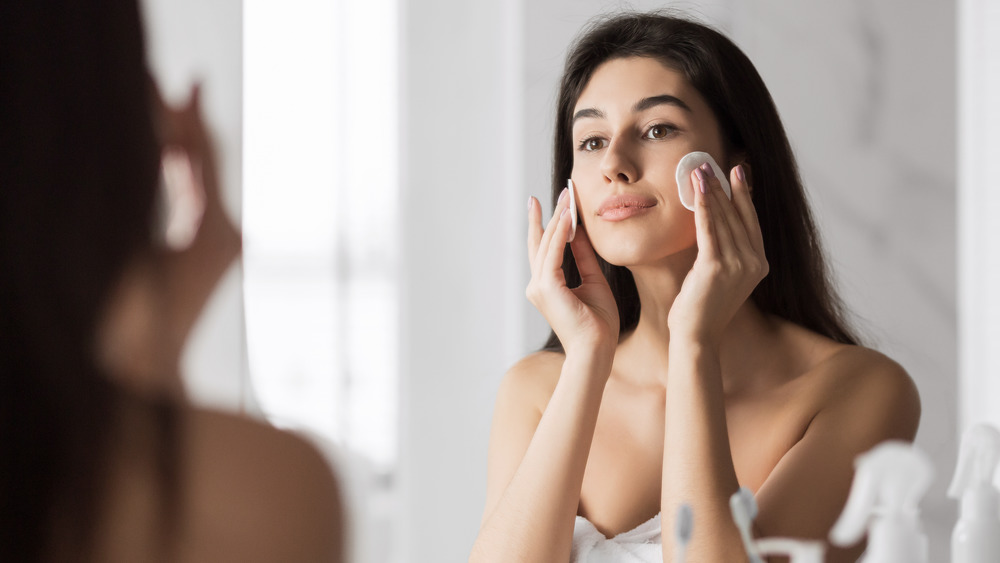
686 166
572 209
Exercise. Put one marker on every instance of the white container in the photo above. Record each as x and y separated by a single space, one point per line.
889 481
976 538
796 550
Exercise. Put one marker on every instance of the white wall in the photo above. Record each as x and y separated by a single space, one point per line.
462 260
978 209
188 41
867 94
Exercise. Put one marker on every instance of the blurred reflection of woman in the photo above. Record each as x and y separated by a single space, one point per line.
691 353
100 459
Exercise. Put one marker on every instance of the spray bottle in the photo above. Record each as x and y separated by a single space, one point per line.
976 538
889 482
797 551
744 508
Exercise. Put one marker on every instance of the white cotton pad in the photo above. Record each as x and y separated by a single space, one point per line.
572 209
686 166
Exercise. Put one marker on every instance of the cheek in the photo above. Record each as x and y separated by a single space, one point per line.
588 197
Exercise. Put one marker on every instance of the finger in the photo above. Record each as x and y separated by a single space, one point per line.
743 200
584 255
557 246
731 220
547 234
194 98
703 219
722 232
534 229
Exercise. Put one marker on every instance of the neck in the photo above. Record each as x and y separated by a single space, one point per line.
742 350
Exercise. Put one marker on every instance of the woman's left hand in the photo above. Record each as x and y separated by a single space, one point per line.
730 260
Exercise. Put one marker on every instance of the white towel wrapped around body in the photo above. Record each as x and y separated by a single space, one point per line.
643 544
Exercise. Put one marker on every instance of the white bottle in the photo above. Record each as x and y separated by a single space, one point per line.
744 508
889 481
797 551
976 538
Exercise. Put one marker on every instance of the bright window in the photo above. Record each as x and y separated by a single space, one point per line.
320 216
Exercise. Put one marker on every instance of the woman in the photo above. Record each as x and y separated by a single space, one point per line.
691 353
101 460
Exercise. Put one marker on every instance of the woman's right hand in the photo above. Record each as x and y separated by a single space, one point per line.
585 318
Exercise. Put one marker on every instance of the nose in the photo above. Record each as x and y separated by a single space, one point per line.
618 164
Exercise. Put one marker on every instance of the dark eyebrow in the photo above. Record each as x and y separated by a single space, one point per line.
653 101
588 112
641 105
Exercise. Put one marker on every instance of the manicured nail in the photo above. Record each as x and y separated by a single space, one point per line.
740 174
531 201
708 170
561 215
700 174
703 185
562 195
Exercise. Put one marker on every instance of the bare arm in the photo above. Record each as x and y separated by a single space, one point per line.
874 401
537 460
697 463
163 292
537 464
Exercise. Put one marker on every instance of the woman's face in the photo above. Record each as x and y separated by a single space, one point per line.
633 123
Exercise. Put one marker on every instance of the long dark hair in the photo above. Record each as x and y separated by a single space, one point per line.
798 287
78 178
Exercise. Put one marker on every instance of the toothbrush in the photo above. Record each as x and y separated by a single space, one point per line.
744 508
682 531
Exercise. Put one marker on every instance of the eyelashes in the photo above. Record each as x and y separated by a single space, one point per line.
659 131
591 144
655 132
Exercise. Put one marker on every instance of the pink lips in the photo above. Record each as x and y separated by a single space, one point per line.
625 206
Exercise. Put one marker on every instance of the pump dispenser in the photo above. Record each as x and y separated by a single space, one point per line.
797 551
744 508
976 538
889 481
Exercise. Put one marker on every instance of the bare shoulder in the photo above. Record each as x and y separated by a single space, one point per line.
532 379
869 393
255 493
522 398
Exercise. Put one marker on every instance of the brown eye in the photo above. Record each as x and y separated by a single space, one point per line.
592 144
659 131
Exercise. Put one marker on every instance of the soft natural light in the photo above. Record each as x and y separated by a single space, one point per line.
320 215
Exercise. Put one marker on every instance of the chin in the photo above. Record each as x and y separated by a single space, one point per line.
628 251
631 253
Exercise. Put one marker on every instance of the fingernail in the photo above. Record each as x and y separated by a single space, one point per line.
740 174
703 185
563 212
531 201
562 195
700 174
708 170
